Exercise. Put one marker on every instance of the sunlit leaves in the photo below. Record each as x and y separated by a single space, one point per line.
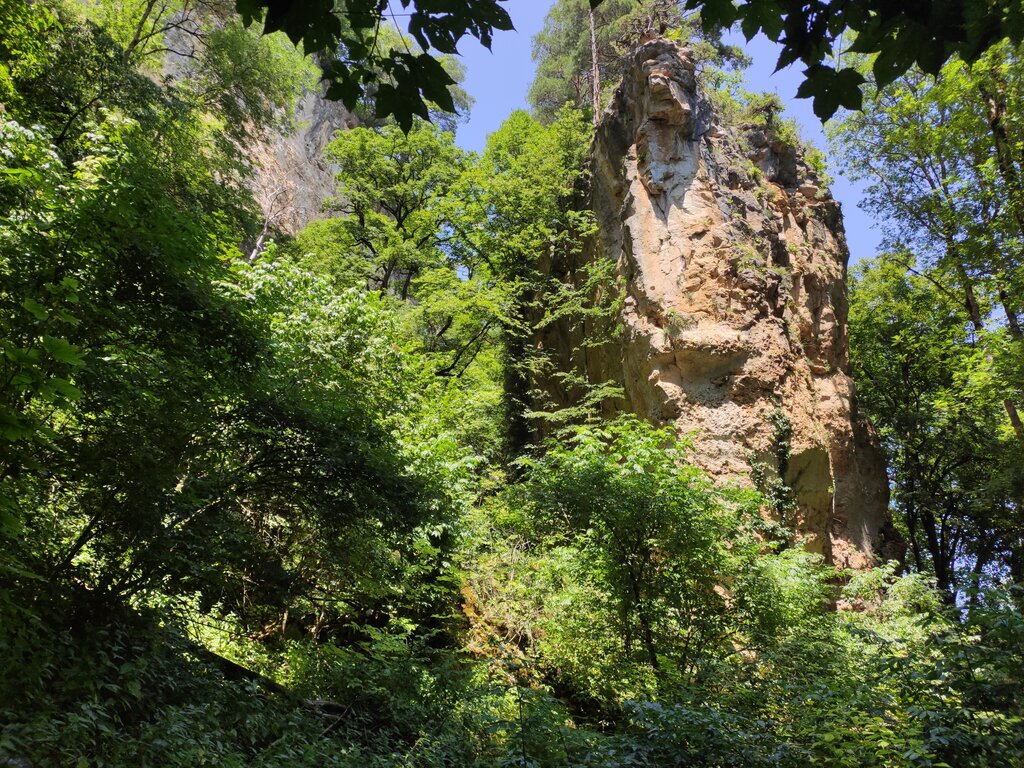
393 194
651 530
831 89
405 83
927 34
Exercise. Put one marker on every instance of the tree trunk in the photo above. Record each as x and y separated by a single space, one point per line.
911 515
939 563
646 625
595 71
1012 320
518 431
971 303
994 95
981 559
408 280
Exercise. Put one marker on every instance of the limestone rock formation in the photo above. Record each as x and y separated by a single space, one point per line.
733 257
292 179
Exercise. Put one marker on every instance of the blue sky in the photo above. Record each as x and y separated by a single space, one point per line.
498 81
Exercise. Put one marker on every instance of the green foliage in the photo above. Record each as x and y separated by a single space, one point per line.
406 81
535 177
564 50
818 163
407 231
326 247
249 81
945 164
649 532
640 577
926 35
750 666
415 79
133 695
914 354
23 52
764 108
469 246
395 193
175 420
390 41
267 511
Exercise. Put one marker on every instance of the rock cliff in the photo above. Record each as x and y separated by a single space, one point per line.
292 180
733 324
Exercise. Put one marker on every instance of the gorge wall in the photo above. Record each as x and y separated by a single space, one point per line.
292 180
733 325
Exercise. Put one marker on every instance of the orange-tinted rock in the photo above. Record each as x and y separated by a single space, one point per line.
733 258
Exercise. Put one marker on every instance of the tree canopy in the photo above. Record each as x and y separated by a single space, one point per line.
941 363
581 51
405 82
923 35
926 35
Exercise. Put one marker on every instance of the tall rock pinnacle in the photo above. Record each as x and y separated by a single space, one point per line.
733 258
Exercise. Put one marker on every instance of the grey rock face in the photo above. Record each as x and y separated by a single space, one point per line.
292 179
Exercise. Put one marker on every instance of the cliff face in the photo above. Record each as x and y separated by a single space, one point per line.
292 180
734 321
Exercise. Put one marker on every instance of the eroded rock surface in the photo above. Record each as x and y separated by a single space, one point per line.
292 180
734 261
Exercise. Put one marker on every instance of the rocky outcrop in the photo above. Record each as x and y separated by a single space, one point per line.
292 180
733 259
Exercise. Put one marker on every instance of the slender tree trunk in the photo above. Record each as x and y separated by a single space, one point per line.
137 36
652 651
994 95
970 300
980 561
408 280
385 281
935 550
971 303
646 625
911 514
1015 421
595 71
1016 560
1012 320
1013 323
518 431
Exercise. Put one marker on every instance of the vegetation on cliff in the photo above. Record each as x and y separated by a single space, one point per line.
300 503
